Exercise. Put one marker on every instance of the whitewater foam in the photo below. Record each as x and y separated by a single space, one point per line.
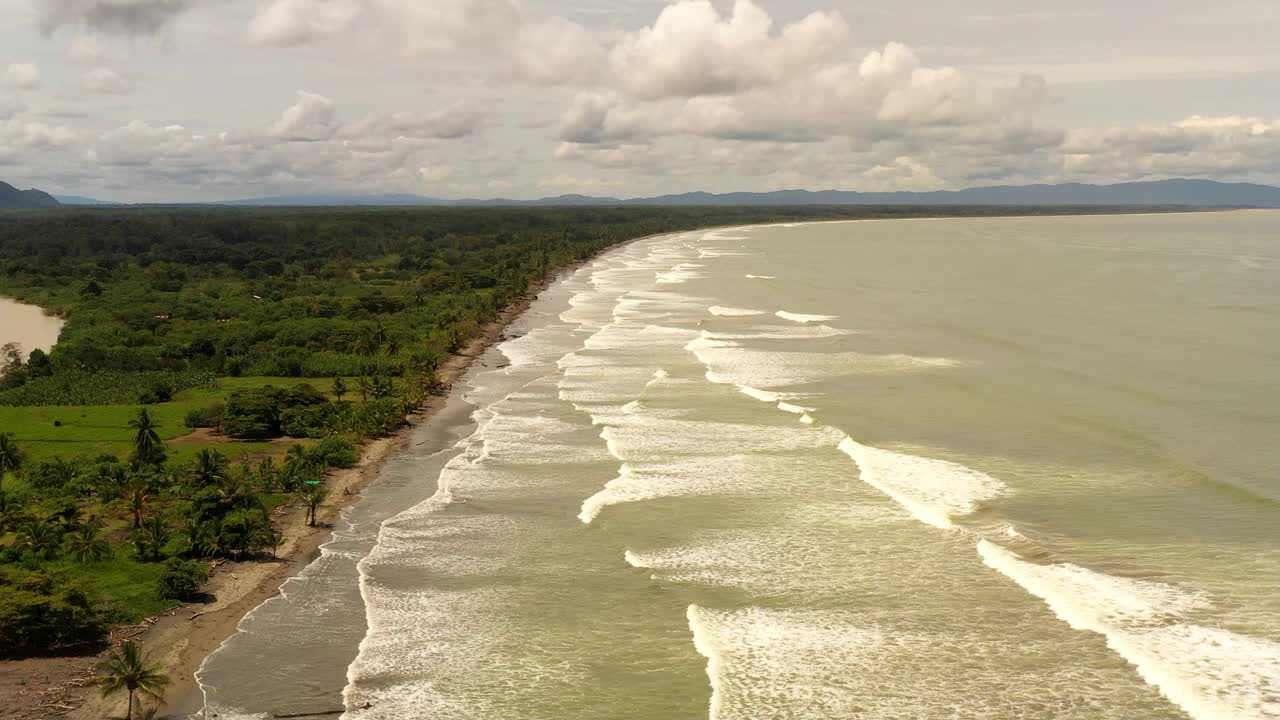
801 318
934 491
1210 673
733 312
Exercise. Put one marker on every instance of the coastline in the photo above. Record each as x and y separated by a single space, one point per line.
180 639
183 637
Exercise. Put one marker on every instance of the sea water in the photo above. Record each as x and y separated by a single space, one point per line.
952 468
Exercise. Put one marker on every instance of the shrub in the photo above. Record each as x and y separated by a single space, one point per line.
43 612
181 580
205 417
159 392
335 451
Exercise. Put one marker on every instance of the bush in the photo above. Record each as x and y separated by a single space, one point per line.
44 612
205 417
181 580
258 413
156 394
335 451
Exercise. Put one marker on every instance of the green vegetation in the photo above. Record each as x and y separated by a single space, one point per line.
127 670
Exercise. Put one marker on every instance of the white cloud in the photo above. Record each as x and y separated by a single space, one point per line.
106 81
313 117
292 22
399 26
455 121
692 50
22 76
1223 146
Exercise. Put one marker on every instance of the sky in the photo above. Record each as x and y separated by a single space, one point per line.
183 100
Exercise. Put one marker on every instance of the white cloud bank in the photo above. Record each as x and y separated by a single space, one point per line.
700 95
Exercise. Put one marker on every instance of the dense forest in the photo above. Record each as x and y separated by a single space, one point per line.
217 363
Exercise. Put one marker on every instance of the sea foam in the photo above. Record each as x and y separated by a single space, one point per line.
1210 673
732 311
801 318
934 491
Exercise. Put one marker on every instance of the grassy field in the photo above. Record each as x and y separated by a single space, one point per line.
104 429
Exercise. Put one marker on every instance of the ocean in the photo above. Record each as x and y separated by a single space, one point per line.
936 468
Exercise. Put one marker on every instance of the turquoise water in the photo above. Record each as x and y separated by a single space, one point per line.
961 468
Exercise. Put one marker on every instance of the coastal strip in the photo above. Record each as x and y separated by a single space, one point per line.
181 639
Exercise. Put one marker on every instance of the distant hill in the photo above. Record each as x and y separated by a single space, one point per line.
78 200
1195 193
387 200
11 198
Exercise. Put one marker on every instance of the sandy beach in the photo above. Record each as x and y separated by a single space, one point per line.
183 637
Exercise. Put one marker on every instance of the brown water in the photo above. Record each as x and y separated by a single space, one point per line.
28 326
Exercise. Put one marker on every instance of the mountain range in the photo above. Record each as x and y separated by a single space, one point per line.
1199 193
1192 193
11 198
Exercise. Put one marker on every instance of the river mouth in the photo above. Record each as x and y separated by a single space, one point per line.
27 326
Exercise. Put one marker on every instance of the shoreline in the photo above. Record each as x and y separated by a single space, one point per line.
180 639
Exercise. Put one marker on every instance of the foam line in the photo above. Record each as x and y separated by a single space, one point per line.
801 318
934 491
1210 673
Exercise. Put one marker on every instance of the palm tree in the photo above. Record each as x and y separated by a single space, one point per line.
146 441
11 456
268 475
313 495
211 465
382 386
111 480
11 516
85 544
363 385
40 537
127 669
339 387
137 493
150 539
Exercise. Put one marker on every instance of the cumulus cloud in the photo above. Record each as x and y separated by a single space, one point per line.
692 50
22 76
395 152
106 81
129 17
455 121
406 26
1221 146
292 22
313 117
